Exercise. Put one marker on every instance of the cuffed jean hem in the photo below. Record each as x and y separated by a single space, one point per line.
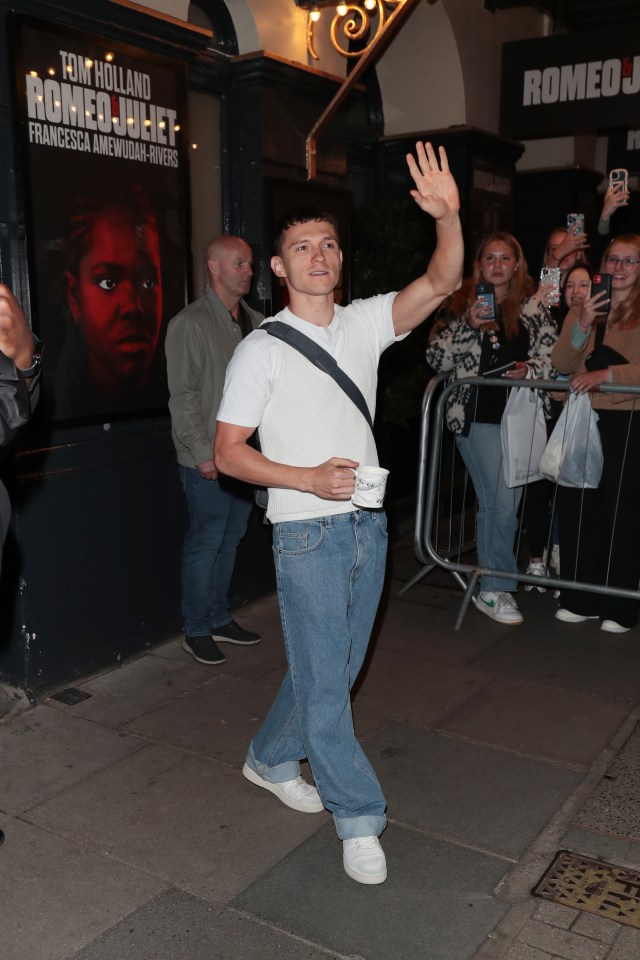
278 774
351 827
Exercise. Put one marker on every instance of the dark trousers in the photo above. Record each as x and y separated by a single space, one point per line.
600 529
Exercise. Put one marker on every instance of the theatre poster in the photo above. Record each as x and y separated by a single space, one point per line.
104 178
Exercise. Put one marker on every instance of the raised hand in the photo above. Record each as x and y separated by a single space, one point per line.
16 340
436 192
615 197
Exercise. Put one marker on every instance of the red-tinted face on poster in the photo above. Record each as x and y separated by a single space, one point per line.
114 292
106 195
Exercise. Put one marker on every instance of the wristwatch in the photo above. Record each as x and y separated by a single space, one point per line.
36 360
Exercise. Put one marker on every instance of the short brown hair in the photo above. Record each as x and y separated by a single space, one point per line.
301 215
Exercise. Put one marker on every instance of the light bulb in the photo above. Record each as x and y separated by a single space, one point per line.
342 9
314 14
370 4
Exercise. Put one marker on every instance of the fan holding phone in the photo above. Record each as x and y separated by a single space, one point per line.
492 326
600 529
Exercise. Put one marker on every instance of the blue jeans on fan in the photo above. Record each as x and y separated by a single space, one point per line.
497 516
330 573
218 516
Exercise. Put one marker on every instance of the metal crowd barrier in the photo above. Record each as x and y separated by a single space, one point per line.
445 501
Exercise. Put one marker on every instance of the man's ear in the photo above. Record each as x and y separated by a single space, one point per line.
278 267
212 267
72 295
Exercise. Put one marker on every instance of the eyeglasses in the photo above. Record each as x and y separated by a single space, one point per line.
625 261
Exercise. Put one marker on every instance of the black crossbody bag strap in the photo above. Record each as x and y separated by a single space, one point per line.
321 359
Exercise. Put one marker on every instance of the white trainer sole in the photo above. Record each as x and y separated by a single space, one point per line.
312 806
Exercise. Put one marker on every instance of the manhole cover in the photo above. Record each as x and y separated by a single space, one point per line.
591 885
71 695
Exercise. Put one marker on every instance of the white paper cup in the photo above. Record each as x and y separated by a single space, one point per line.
371 483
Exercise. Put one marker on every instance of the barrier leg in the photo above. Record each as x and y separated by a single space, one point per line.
466 600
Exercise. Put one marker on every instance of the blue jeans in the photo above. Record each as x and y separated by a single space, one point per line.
330 573
497 516
218 517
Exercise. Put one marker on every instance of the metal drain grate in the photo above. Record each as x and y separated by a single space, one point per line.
593 886
71 695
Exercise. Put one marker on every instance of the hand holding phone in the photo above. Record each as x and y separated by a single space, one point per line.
619 179
550 285
485 295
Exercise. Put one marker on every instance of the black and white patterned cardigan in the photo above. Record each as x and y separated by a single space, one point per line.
457 350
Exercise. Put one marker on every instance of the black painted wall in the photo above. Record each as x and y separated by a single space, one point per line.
91 566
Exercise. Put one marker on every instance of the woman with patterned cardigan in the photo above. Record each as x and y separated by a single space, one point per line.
466 344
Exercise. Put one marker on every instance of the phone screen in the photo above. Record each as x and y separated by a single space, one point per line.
602 282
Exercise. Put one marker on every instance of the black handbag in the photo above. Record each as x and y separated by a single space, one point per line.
603 356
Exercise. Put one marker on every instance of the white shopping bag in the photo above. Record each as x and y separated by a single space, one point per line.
524 436
573 456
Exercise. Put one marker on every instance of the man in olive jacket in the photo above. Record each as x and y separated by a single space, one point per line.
199 344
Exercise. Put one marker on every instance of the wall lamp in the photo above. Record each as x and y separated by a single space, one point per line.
358 22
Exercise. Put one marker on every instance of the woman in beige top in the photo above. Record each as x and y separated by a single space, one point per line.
600 529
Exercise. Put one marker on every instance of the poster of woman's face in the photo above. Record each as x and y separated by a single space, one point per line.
107 195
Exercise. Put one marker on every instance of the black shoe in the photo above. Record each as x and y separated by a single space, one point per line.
232 632
204 649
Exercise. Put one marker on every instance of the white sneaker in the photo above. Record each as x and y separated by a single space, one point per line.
555 558
364 860
568 616
536 570
296 794
610 626
500 606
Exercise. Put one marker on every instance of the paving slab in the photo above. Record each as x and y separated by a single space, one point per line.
422 625
566 726
437 902
488 798
562 943
129 691
412 689
45 752
571 656
627 946
219 718
177 926
58 896
192 821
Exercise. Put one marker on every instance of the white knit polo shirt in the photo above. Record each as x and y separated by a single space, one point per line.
304 417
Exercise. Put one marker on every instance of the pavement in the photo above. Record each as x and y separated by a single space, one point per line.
131 833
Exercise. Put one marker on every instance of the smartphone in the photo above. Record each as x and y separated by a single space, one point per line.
497 370
575 223
485 293
600 282
550 276
619 179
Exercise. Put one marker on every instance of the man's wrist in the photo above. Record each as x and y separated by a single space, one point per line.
34 360
450 219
